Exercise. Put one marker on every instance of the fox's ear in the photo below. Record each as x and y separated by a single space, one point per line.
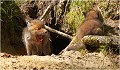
43 21
27 22
100 16
84 13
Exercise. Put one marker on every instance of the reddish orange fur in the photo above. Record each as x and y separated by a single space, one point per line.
36 38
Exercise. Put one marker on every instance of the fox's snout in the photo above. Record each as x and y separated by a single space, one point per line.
42 31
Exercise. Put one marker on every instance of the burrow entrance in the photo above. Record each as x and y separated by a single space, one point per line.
58 43
33 10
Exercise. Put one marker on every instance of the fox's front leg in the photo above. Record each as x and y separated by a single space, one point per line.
28 49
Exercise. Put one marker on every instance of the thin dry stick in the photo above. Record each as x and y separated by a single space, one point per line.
51 29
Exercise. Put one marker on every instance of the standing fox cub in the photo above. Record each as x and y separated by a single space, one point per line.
91 25
36 38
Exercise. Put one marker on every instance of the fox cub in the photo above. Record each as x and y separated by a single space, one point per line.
90 26
36 38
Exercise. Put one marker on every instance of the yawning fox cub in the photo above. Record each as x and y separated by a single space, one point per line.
36 38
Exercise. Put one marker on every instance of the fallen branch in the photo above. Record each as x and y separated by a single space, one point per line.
58 32
94 40
110 40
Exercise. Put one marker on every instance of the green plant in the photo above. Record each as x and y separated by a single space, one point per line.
103 48
75 16
10 27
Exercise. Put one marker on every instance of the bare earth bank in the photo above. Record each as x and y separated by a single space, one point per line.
68 60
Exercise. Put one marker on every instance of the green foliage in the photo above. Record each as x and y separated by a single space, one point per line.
10 27
109 49
75 16
10 11
109 9
103 48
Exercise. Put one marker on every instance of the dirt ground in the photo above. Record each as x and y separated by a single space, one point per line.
70 60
